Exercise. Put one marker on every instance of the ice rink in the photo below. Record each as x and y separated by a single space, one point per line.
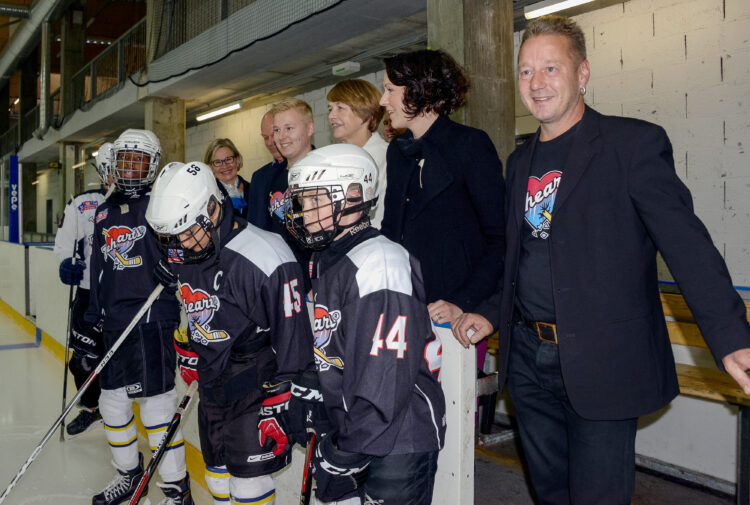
64 473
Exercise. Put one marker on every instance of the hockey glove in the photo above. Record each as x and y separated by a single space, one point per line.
306 408
164 276
271 426
85 346
187 359
71 273
337 473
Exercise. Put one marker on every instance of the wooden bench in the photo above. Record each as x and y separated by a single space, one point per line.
701 382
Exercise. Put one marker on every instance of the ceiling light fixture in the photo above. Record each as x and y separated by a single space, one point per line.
219 112
549 6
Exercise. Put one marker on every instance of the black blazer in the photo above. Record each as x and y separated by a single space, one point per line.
454 223
619 202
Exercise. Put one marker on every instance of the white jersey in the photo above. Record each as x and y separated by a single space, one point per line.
77 227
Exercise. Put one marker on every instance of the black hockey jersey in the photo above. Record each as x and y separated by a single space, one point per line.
77 226
124 253
246 297
377 357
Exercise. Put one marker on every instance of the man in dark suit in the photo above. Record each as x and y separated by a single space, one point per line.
264 177
583 341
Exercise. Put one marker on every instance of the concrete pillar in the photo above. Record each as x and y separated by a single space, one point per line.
488 55
73 57
27 90
67 173
28 201
166 118
445 31
4 107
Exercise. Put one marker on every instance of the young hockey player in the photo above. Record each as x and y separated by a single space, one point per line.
248 330
75 231
378 360
124 255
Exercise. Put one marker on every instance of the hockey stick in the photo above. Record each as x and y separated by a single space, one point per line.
147 304
148 473
66 359
212 335
331 360
306 492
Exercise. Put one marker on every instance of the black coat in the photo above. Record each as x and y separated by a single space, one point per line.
454 223
619 202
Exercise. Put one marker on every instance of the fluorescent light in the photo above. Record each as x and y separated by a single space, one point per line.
550 6
219 112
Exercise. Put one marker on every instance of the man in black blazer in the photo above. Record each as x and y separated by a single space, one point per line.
583 343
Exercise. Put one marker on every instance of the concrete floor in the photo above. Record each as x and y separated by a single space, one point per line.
499 479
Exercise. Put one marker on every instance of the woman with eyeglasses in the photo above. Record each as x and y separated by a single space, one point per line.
225 160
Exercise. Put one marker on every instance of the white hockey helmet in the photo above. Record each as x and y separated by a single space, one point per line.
105 158
132 172
184 195
332 169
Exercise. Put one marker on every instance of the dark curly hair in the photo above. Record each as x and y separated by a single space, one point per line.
434 81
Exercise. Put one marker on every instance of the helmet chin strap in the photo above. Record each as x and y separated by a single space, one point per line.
364 207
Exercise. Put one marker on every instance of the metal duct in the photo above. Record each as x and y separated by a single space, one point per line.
27 36
44 101
14 10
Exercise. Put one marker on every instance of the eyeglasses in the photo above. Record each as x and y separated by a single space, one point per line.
225 161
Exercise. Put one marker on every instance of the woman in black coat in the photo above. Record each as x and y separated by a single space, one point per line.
445 198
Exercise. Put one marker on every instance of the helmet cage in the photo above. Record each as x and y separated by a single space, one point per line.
326 227
194 235
131 172
134 174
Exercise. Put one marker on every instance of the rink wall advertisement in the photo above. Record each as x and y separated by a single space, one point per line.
14 200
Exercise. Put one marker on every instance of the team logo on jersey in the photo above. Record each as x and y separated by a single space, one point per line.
279 204
200 308
87 205
326 322
540 200
118 241
102 215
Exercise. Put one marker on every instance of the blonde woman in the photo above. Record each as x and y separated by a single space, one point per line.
355 114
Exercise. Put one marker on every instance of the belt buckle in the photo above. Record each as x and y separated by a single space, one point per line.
546 330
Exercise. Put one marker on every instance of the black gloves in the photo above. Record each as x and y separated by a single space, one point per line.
338 473
164 276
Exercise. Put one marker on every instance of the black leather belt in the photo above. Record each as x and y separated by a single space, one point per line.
545 331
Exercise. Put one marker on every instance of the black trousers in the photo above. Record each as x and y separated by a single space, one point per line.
571 460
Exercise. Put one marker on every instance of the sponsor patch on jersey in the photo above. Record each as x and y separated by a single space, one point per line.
118 241
134 388
325 324
175 256
87 205
199 308
102 215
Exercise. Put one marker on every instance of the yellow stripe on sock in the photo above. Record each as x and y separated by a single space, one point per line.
122 428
